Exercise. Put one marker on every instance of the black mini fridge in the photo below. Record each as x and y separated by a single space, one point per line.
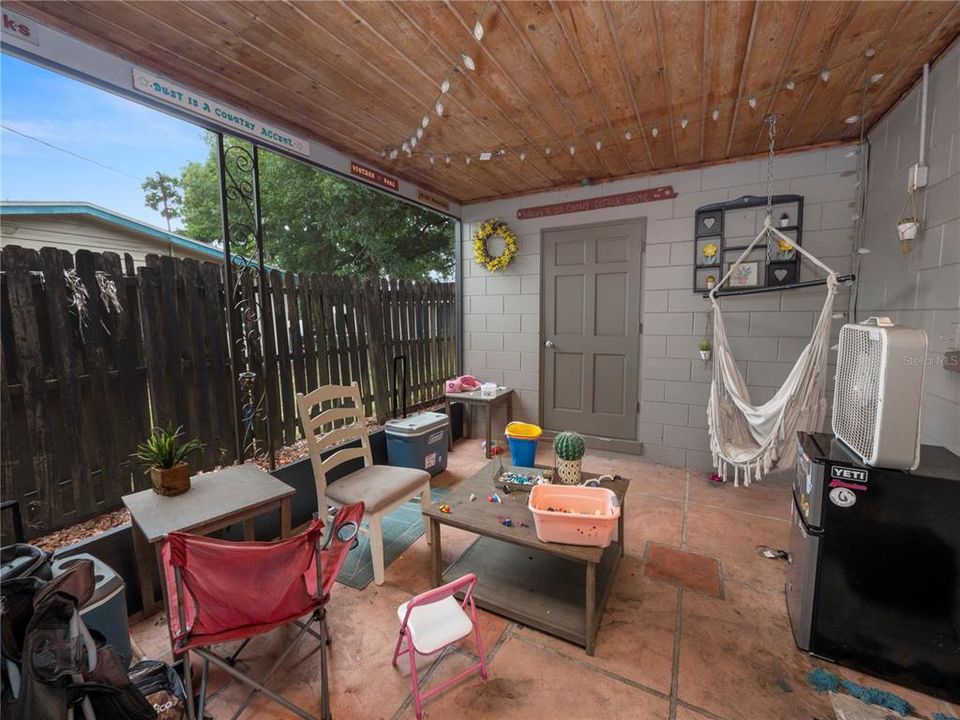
873 581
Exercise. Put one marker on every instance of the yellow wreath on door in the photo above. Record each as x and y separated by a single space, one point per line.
486 230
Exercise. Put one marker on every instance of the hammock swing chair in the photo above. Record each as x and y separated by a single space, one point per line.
754 439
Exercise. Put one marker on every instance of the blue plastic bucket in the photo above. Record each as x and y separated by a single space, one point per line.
522 439
523 451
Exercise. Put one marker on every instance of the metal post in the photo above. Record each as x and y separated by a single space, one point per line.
228 299
266 317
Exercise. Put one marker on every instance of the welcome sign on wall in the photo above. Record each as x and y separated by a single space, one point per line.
168 92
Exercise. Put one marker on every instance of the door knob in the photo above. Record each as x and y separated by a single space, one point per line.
548 344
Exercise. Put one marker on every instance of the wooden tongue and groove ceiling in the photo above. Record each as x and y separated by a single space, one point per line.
360 76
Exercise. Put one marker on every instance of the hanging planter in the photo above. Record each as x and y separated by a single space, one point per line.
711 282
907 228
706 349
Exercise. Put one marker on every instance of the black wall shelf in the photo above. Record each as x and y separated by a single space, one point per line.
773 270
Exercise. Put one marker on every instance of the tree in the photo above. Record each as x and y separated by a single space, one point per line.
314 221
162 193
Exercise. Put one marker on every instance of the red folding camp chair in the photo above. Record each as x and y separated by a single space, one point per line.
220 591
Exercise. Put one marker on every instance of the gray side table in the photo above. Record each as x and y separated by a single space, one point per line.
504 395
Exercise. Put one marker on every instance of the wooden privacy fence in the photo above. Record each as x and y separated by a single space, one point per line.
77 396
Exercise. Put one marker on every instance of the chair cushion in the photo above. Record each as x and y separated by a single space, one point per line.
436 625
377 486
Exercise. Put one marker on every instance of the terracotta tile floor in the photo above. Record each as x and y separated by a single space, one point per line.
664 651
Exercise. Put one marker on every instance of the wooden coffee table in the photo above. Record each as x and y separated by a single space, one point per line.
559 589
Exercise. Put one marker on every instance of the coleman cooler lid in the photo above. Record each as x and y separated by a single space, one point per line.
416 424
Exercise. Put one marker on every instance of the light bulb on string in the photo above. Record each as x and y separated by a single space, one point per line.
869 52
425 121
684 121
628 135
383 153
467 159
445 86
546 150
478 31
599 145
572 149
752 102
654 131
825 74
432 159
439 108
715 114
791 84
405 147
523 156
413 141
446 160
468 62
419 133
393 154
875 78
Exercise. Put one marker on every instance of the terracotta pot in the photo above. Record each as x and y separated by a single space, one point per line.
171 481
568 471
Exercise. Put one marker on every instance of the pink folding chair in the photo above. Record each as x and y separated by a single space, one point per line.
433 620
220 591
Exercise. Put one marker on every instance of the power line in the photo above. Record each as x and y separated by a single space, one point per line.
69 152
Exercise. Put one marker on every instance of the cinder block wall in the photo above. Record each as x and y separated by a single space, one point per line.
502 311
921 289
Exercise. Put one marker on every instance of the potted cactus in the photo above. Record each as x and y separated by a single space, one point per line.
570 448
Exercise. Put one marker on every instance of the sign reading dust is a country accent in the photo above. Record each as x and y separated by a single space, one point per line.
374 176
166 91
664 192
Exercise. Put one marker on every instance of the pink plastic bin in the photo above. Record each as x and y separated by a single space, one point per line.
582 526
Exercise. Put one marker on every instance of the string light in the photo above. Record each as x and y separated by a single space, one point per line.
468 159
852 120
599 145
413 141
468 62
405 147
393 154
791 84
425 122
654 131
432 159
478 31
419 133
752 102
684 121
572 149
869 52
546 150
825 74
628 135
523 156
445 86
715 114
439 108
446 160
875 78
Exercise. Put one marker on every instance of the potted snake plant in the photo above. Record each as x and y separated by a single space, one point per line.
570 448
165 459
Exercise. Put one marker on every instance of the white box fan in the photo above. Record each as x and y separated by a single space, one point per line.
878 391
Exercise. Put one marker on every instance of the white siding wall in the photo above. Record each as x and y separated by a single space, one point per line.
78 233
923 288
502 311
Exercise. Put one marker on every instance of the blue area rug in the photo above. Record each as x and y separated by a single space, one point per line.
401 528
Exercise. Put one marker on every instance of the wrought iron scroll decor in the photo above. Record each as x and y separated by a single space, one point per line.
250 356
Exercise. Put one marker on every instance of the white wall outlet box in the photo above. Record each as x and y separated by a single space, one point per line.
918 177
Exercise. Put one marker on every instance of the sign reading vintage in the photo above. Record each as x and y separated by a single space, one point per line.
156 87
374 176
664 192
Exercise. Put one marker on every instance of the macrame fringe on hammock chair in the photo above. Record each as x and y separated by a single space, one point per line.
748 439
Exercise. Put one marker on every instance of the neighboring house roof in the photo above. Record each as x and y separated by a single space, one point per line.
34 208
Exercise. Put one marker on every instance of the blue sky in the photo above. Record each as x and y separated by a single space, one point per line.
117 132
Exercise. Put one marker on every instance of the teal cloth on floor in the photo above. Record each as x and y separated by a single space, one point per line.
401 528
823 680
